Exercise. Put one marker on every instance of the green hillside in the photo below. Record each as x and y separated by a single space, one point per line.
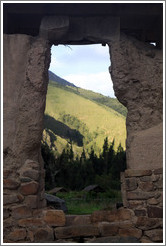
81 117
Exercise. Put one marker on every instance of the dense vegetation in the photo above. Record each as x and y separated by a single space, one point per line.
73 114
75 173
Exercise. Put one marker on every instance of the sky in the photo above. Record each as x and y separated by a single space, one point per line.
85 66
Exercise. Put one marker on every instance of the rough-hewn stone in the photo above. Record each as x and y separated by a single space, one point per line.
158 171
31 222
31 201
108 229
17 234
45 234
155 235
146 223
21 211
155 212
111 216
8 199
139 195
76 231
137 173
10 184
30 173
131 184
152 201
141 93
146 186
78 220
133 232
140 212
54 217
29 188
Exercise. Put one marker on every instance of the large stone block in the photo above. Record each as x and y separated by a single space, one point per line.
155 235
31 222
155 212
21 211
137 173
78 220
130 232
111 216
131 184
146 223
30 173
54 217
30 188
108 229
17 234
8 199
147 186
139 195
10 184
76 231
45 234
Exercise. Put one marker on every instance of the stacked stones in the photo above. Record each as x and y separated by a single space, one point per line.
23 195
142 192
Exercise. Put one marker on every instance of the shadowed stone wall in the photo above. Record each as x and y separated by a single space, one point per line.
137 76
136 70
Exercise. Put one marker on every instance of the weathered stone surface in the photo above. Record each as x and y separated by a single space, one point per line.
10 184
158 171
159 184
130 232
115 239
145 240
152 201
17 234
6 173
45 234
30 173
136 204
155 212
142 98
31 164
76 231
146 223
78 220
108 229
8 199
139 195
155 235
137 173
30 188
146 186
31 201
140 212
21 211
6 213
111 216
54 217
131 184
31 222
30 235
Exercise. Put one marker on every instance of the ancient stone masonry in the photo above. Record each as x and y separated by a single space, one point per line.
142 192
136 70
26 62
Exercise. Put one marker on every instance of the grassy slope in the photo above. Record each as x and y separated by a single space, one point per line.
96 117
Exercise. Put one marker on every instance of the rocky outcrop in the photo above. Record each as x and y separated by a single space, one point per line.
136 71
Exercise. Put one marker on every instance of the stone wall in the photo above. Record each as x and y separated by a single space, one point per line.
136 71
25 70
137 77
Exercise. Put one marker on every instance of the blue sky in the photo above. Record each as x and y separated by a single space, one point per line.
85 66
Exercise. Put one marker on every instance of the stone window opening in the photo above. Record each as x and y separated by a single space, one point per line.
47 135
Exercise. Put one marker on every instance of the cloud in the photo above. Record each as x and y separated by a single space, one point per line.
99 82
